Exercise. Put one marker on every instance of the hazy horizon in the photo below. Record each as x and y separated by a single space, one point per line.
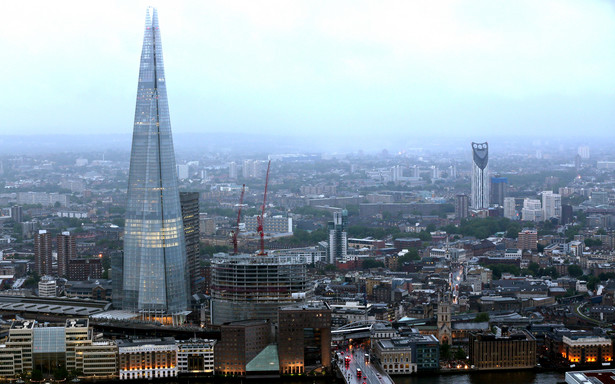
375 73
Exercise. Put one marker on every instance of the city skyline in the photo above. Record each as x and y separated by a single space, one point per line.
303 69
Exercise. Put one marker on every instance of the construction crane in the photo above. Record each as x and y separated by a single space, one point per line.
236 231
260 219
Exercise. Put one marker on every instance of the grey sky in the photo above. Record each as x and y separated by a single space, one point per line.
397 68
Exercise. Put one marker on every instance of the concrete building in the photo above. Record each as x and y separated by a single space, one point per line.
510 210
480 176
462 206
232 170
551 205
304 338
17 213
271 224
532 210
47 287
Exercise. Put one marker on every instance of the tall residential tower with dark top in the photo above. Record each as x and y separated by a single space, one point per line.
155 272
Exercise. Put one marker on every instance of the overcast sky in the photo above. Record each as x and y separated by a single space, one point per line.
467 68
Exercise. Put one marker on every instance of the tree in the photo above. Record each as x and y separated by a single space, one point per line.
445 352
371 263
60 373
460 354
592 282
482 317
574 270
534 268
36 375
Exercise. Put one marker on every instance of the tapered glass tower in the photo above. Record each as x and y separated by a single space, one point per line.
155 278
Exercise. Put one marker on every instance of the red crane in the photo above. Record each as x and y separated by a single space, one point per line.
236 231
260 219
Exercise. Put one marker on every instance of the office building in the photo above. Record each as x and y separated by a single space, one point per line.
527 239
498 190
17 213
480 176
304 338
33 345
508 351
42 253
155 272
190 217
248 286
240 342
47 287
67 250
551 205
462 204
338 238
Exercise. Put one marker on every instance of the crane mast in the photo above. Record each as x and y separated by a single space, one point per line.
236 231
261 231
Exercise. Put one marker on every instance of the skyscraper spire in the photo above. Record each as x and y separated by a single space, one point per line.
155 279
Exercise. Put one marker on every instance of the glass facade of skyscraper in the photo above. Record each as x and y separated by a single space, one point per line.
155 277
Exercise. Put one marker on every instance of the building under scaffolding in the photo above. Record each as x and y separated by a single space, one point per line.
249 286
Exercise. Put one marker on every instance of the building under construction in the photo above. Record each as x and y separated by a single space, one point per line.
248 286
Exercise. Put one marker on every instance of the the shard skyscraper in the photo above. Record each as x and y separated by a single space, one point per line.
155 279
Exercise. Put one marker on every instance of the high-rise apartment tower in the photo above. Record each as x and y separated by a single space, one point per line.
155 271
67 250
42 253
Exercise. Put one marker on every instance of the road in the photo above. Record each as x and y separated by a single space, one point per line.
357 360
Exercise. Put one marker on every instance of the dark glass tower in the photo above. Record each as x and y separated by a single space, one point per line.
155 277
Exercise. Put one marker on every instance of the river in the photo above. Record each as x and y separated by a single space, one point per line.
512 377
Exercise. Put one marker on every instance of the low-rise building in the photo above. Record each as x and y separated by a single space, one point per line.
196 356
409 354
493 352
147 358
